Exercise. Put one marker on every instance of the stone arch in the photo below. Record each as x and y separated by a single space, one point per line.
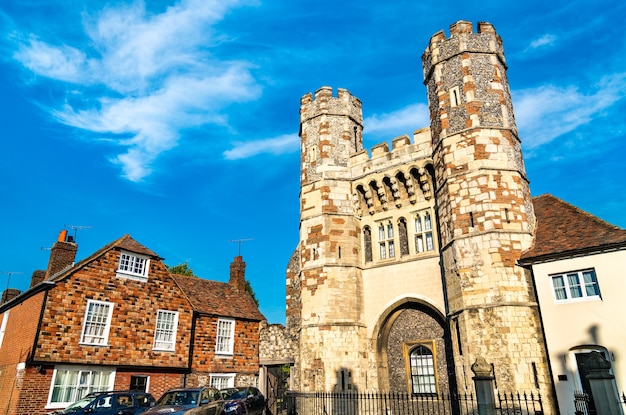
403 325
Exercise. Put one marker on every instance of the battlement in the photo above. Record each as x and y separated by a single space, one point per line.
462 39
402 151
323 102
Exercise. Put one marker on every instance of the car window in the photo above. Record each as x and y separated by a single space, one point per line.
142 400
217 396
124 401
204 395
103 404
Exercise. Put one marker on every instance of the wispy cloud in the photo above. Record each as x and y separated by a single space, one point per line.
543 41
402 121
278 145
547 112
143 78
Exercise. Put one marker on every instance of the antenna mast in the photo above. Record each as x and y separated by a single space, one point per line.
239 242
8 274
76 228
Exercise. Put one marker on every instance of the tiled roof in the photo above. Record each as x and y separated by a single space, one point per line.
564 229
218 298
125 242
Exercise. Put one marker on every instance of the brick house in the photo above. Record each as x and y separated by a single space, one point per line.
119 319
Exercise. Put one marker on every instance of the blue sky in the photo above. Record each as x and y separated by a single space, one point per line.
177 122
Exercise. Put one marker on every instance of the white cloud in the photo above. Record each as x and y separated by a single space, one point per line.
547 112
279 145
403 121
144 77
545 40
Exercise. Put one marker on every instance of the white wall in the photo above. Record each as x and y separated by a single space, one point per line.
584 324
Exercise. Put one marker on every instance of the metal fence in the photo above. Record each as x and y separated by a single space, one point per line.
393 403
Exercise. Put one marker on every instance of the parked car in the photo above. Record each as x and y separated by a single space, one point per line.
189 401
110 403
246 401
227 392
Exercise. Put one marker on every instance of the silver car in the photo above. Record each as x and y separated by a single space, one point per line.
189 401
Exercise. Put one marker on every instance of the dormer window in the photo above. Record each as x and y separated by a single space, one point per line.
133 266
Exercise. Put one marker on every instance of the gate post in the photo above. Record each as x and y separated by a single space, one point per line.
483 383
603 388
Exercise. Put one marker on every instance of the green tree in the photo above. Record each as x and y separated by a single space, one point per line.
182 269
251 292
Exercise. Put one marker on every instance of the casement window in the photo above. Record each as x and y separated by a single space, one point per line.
96 323
133 266
225 336
575 285
424 232
3 325
165 331
387 247
139 383
222 380
70 384
422 365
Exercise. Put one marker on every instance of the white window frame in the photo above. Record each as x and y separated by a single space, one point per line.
222 380
565 291
133 266
3 326
423 372
165 331
224 342
78 382
90 320
424 235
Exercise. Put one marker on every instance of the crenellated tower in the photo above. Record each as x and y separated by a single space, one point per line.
330 285
484 207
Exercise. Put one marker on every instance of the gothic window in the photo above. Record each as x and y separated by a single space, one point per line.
422 371
386 244
367 241
424 232
402 234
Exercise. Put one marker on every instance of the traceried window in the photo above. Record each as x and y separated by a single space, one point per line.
221 381
576 285
165 332
424 232
133 266
225 336
386 244
97 323
70 384
422 371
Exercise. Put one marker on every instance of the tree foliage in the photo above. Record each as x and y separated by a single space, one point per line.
251 292
182 269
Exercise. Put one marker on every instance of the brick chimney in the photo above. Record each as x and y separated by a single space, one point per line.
238 274
37 277
62 255
9 294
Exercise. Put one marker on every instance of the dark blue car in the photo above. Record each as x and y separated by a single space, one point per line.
110 403
244 401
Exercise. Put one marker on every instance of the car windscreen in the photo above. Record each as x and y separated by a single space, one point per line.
179 398
78 405
239 395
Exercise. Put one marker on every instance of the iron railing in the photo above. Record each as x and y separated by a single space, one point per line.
398 403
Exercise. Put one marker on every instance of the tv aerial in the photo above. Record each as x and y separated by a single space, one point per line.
77 228
8 274
239 242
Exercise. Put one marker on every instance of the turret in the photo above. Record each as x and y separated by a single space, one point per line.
484 207
330 286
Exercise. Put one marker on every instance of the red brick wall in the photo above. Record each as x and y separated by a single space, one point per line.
158 383
33 389
134 317
245 358
21 329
